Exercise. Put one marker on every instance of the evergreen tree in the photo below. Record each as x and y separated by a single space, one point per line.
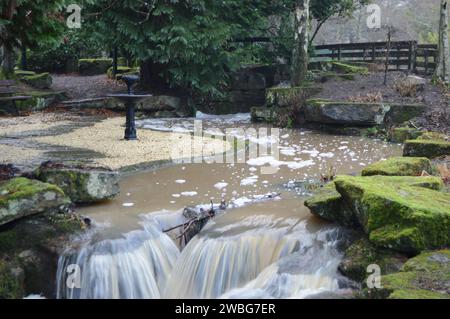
27 23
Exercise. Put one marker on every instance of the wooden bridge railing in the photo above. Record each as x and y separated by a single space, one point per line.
403 55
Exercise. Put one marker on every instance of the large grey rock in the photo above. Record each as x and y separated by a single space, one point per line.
21 197
82 185
328 112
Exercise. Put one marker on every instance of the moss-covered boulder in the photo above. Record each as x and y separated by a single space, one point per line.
426 276
40 101
21 197
81 184
426 148
362 253
39 81
399 166
94 66
402 134
327 203
407 214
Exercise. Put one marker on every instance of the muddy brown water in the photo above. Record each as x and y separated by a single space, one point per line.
181 185
259 248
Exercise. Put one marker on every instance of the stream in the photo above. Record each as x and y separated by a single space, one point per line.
266 244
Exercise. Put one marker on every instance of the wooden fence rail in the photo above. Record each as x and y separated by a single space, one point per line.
403 55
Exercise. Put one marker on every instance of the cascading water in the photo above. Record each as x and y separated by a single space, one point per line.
134 267
257 256
262 247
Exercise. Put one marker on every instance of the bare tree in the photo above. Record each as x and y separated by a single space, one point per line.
301 38
443 65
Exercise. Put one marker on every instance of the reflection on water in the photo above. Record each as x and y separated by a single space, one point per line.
259 249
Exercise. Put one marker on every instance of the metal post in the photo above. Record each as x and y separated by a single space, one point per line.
115 61
130 130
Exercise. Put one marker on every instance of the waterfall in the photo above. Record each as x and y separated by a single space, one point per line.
133 267
269 262
259 256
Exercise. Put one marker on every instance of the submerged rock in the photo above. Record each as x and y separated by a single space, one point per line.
21 197
426 276
399 166
81 184
426 148
407 214
362 254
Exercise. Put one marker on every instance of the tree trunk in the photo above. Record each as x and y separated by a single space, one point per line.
301 38
8 62
443 65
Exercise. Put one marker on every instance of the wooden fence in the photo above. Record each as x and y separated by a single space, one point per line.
403 55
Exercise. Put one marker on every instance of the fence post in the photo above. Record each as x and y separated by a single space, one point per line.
414 56
339 52
425 51
410 56
374 58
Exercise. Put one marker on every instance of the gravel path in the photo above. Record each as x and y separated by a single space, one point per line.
84 87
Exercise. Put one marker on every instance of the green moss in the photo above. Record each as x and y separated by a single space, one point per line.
362 253
327 203
401 134
426 148
399 166
96 60
22 73
348 68
11 285
20 187
402 213
430 136
426 276
36 77
289 96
